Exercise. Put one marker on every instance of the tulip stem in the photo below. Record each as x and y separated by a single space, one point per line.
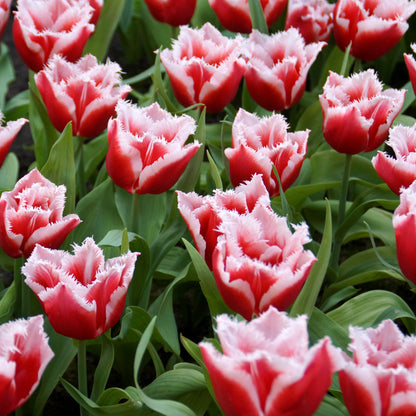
82 372
345 60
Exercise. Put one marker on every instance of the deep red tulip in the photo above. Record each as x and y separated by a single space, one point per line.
82 294
32 213
201 212
147 152
4 14
43 28
7 134
204 67
357 113
411 66
267 367
84 93
400 171
372 27
313 19
404 223
173 12
235 15
277 67
380 379
24 355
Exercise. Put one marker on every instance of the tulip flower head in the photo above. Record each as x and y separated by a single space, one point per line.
313 19
84 93
201 213
4 14
96 8
32 213
411 66
7 134
147 152
24 355
172 12
258 144
398 172
267 367
380 379
357 113
82 294
364 23
234 15
204 67
277 67
258 262
43 28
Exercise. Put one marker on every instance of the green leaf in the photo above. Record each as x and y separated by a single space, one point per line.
6 73
7 303
258 20
94 154
214 172
9 172
331 406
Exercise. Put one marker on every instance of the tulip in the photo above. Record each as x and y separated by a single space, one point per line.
204 67
404 224
201 212
96 8
24 355
313 19
32 213
357 113
82 294
380 379
84 93
258 144
7 134
267 367
172 12
147 152
4 14
43 28
235 15
411 66
277 67
258 262
399 172
372 27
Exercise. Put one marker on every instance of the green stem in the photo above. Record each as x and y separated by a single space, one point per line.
80 171
82 372
345 60
22 291
134 213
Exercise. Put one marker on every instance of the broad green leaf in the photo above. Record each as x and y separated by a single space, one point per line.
331 406
258 20
6 73
335 62
9 172
311 119
17 106
94 153
7 303
214 172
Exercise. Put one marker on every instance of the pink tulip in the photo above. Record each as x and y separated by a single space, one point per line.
380 379
399 172
172 12
258 144
24 355
267 367
84 93
313 19
277 67
258 262
32 213
357 113
201 213
404 223
7 134
96 6
411 66
147 152
43 28
204 67
235 15
372 27
4 14
82 294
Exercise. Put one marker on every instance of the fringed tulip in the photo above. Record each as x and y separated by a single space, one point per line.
404 223
84 93
235 15
357 113
204 67
380 379
313 19
32 213
267 367
258 262
400 171
277 67
371 27
201 212
7 134
172 12
43 28
82 294
147 152
258 144
411 66
4 14
24 355
96 8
